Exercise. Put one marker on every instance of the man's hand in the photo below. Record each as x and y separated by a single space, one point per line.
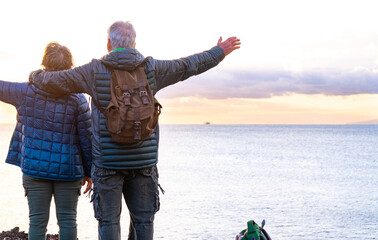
89 182
229 45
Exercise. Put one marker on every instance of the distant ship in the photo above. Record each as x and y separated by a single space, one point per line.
207 123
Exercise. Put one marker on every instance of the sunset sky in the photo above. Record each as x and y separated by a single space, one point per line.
301 62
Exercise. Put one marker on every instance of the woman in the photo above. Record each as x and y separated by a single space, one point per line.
51 144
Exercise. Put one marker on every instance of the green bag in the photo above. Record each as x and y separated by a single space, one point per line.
253 232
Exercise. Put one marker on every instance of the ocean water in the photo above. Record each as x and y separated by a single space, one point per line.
307 181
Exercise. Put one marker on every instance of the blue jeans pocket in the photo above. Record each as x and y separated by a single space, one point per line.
157 202
97 175
153 174
96 205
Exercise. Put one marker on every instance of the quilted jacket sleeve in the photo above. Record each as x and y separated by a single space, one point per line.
75 80
12 92
173 71
84 131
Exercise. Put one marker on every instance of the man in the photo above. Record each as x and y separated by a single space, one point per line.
126 169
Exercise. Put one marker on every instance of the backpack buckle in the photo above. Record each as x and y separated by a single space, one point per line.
137 125
126 98
144 97
137 128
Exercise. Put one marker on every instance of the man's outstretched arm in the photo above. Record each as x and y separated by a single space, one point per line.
74 80
169 72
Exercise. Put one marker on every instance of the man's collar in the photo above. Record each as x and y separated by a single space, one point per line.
114 50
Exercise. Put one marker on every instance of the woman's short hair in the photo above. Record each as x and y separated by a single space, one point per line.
122 35
57 57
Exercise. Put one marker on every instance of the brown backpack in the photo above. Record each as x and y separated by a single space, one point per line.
133 111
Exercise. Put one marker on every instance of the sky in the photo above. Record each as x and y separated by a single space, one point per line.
300 62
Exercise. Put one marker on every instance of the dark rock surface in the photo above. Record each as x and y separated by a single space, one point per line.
15 234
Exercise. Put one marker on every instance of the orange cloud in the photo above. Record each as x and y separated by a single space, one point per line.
293 109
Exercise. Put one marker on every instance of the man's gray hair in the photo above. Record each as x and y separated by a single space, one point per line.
122 35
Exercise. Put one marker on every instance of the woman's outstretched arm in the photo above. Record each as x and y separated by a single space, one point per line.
12 92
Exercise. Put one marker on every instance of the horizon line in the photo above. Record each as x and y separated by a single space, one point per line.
256 124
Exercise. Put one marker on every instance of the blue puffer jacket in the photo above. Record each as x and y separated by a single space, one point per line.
52 139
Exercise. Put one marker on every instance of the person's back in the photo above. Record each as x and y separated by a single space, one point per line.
46 130
119 169
94 79
51 144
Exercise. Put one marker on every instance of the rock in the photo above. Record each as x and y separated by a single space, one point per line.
15 234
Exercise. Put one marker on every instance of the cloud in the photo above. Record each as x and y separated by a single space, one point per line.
265 84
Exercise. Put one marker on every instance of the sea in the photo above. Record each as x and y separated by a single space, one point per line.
306 181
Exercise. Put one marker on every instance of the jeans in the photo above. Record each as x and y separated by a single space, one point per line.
140 191
39 193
